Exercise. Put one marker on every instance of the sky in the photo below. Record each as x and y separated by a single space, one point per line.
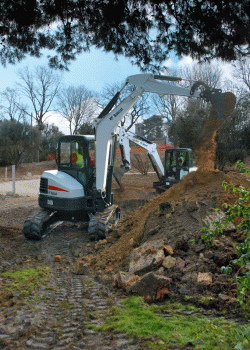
94 70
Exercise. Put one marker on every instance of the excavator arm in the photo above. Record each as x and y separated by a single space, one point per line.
150 147
107 122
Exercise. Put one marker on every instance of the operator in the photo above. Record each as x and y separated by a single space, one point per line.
77 158
181 160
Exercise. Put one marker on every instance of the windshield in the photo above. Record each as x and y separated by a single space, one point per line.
72 154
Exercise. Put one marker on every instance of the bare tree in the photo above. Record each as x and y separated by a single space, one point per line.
11 108
208 73
242 71
41 87
77 105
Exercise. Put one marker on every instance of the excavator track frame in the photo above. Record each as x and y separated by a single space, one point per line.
36 225
101 222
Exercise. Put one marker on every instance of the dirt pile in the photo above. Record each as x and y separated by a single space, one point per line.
197 186
176 217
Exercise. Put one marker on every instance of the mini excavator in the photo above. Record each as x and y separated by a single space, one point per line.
80 190
178 161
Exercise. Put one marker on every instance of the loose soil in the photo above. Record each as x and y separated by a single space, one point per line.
43 321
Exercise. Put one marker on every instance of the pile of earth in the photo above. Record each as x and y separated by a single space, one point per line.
172 223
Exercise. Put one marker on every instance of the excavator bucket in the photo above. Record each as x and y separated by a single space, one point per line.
119 172
223 102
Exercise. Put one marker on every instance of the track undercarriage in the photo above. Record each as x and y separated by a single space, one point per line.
39 224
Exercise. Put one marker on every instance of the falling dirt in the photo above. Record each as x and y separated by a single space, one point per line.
205 152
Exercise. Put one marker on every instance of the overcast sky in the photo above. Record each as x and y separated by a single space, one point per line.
93 69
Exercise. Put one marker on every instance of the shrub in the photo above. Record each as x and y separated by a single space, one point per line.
239 209
140 163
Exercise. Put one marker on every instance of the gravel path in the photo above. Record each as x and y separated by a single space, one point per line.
22 187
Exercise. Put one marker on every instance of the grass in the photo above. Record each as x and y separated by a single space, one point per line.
24 281
137 318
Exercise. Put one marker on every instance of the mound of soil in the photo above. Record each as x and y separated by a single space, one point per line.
177 217
198 186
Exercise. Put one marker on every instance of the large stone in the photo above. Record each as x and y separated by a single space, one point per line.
168 250
151 286
205 277
169 262
180 263
125 280
147 257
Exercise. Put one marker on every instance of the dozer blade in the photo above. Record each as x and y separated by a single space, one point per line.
119 172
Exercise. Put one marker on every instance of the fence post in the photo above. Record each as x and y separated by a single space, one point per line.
13 180
6 177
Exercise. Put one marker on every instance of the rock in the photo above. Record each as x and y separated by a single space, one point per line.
82 268
223 297
103 241
125 280
216 216
177 335
180 263
192 206
57 258
147 257
168 250
160 271
205 277
160 342
151 286
191 268
189 277
169 262
226 298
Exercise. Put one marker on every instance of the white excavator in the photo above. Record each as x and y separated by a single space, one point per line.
80 190
178 162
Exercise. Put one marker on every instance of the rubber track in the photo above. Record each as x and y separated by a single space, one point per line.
101 222
34 225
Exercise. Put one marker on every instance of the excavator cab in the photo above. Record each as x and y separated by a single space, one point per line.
76 157
178 161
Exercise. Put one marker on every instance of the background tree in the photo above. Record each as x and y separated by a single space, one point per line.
11 108
16 138
41 87
187 127
49 143
145 31
86 129
153 128
77 105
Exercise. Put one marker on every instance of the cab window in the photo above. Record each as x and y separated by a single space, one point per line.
72 154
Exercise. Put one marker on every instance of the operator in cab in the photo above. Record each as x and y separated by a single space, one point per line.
77 157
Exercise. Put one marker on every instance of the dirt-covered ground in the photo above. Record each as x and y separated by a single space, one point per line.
175 216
